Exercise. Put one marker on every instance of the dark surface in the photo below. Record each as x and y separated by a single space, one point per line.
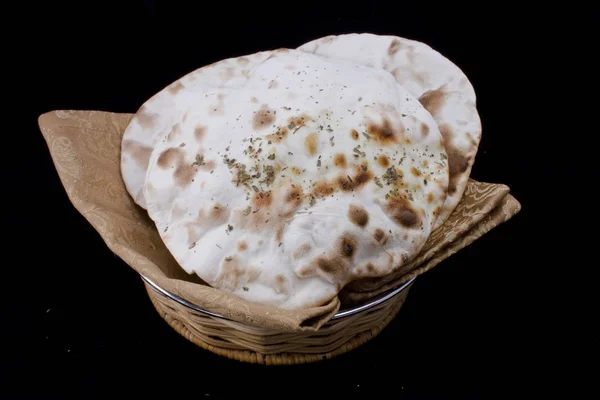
466 329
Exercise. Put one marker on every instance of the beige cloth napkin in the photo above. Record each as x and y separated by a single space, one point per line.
85 148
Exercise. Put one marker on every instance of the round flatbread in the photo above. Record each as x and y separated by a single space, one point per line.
157 116
440 86
312 174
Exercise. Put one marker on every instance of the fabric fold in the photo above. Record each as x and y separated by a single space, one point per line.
85 149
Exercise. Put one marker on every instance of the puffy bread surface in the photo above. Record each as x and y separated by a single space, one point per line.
310 173
439 84
157 115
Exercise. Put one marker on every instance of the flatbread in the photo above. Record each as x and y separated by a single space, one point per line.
440 86
160 114
313 173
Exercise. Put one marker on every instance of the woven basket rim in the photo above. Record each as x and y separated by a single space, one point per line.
340 314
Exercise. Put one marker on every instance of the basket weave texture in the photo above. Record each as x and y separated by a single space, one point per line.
259 345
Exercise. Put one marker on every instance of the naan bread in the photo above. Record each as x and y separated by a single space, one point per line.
440 86
311 174
159 114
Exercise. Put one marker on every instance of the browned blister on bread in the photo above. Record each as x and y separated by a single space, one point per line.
441 87
287 187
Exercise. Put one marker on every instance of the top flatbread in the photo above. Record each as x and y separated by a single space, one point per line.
440 86
311 174
162 111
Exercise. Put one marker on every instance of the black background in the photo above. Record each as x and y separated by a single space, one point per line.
468 328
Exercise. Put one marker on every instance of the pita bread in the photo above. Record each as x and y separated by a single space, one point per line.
440 86
313 173
159 114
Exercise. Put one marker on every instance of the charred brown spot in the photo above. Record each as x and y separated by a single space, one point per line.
184 174
370 268
339 160
311 143
145 118
174 133
242 246
169 157
415 171
209 165
380 236
218 211
230 274
298 121
302 251
278 136
253 99
358 215
400 74
424 129
383 160
401 212
294 195
294 200
140 154
425 163
347 183
395 46
279 232
457 162
280 284
354 134
430 198
199 132
296 170
433 101
263 118
273 84
176 88
252 273
348 246
192 234
362 177
306 271
262 199
177 211
383 133
323 189
335 266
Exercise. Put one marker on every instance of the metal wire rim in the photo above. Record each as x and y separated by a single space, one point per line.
340 314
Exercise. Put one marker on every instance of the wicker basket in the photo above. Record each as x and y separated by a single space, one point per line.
85 148
345 331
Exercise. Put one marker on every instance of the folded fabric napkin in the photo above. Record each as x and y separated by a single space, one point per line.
85 148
